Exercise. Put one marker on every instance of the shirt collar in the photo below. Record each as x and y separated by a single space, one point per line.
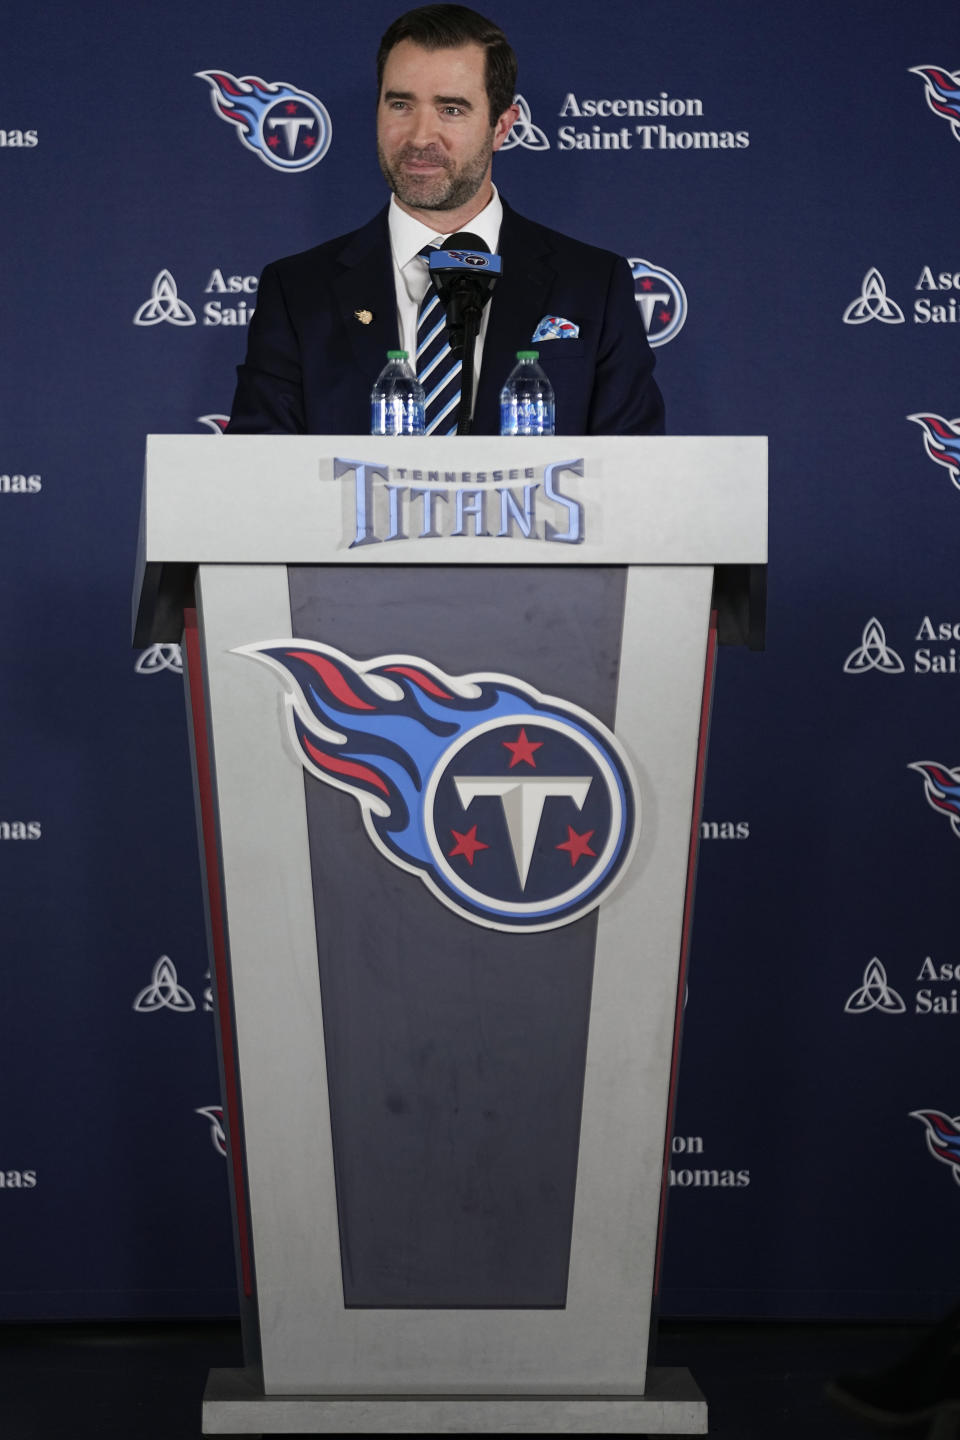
408 236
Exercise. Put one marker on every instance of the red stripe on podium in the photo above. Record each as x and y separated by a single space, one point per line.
208 826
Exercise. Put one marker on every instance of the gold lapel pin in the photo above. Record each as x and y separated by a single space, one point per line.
364 316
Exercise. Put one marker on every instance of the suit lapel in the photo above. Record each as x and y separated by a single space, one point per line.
365 286
518 304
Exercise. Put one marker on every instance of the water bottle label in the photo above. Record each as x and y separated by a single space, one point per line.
395 416
526 417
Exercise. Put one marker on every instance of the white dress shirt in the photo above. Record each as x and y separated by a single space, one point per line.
411 273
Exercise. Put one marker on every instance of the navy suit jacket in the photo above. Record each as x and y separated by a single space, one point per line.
311 363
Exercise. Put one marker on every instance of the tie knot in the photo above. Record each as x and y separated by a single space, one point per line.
425 254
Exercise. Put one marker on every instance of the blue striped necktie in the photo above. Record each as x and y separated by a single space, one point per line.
437 369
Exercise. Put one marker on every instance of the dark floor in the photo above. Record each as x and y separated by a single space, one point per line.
145 1382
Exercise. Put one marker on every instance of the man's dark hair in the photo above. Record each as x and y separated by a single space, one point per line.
447 27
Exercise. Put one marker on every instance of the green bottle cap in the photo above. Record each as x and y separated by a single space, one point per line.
396 354
528 354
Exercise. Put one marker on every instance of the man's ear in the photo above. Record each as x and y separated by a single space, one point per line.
504 125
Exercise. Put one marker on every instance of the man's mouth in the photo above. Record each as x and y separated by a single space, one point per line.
422 163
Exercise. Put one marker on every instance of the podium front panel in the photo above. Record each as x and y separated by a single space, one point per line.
455 1056
354 1292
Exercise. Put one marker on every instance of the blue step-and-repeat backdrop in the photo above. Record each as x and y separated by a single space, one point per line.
785 181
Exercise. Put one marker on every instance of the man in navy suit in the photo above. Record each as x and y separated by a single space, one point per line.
325 318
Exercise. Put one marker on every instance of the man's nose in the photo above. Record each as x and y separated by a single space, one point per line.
425 127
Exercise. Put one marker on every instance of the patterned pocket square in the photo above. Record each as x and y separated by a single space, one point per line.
554 327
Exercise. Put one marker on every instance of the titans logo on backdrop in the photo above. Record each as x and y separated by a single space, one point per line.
518 810
287 128
943 93
943 1137
941 787
941 440
661 300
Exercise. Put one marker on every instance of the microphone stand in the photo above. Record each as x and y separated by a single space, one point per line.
471 329
463 293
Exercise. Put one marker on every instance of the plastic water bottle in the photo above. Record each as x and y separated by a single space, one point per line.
396 400
526 400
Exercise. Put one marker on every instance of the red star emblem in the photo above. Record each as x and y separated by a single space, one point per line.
578 845
290 108
646 284
522 749
468 844
309 141
274 141
664 316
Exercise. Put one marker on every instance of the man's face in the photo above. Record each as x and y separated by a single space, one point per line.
435 142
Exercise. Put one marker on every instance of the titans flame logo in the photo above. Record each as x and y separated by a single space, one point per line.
287 128
941 440
942 790
943 1137
943 93
518 810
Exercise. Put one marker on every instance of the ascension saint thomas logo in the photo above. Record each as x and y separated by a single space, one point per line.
518 810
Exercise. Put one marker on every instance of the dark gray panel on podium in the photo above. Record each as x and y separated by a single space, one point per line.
456 1149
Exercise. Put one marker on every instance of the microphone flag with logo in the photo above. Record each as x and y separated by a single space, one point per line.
464 272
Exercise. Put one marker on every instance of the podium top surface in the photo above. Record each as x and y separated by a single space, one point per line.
369 500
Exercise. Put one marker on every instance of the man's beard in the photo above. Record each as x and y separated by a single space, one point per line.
448 191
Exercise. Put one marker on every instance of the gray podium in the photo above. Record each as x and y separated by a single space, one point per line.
448 701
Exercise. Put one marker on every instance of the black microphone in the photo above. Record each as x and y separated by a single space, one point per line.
464 273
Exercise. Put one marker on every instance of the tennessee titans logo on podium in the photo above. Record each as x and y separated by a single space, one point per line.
287 128
518 810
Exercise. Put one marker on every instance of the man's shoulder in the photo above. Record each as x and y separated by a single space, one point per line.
518 230
343 249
